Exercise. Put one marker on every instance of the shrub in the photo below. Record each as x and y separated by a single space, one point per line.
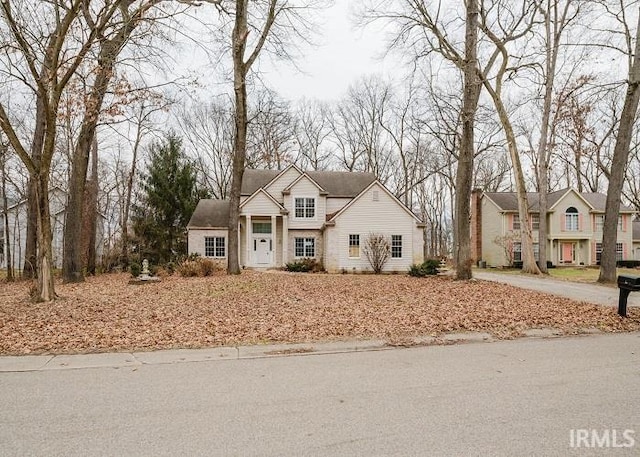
304 266
377 248
197 267
427 268
628 263
135 269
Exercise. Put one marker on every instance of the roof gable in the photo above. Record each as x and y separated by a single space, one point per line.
565 194
265 196
364 191
300 178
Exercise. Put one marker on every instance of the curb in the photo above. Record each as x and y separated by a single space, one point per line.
116 360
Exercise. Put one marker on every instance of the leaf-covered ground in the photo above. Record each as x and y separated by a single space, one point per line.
107 314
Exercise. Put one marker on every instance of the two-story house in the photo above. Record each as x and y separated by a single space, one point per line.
290 214
574 227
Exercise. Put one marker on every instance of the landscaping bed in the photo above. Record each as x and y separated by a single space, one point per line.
107 314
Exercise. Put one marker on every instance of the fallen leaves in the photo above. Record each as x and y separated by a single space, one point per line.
107 314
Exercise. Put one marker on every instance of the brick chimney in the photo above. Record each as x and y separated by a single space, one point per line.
476 225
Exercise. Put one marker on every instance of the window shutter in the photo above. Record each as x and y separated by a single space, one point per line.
593 253
580 222
624 249
624 223
510 216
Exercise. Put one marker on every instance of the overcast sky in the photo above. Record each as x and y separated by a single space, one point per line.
344 54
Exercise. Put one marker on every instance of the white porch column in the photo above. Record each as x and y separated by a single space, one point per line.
248 232
274 241
285 239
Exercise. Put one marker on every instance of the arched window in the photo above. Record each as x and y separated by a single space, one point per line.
571 219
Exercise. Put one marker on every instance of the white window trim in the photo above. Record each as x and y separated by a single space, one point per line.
224 241
401 247
304 238
315 208
349 246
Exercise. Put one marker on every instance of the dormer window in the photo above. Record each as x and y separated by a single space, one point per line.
571 219
305 207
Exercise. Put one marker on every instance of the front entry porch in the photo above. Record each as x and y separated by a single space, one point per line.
570 251
260 240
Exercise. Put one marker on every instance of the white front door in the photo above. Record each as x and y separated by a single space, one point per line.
262 249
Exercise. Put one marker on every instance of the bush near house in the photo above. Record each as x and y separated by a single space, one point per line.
304 266
628 263
427 268
196 267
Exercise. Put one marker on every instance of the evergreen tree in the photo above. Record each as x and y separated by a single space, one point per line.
168 197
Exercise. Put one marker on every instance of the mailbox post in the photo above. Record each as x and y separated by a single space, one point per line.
626 284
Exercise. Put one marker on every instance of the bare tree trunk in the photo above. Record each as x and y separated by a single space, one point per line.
72 255
618 168
240 69
464 175
92 210
45 286
239 40
29 270
5 208
129 193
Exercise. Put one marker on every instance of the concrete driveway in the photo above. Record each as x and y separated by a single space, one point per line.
592 293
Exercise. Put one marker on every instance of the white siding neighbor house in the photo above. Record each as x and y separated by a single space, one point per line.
574 227
16 237
291 215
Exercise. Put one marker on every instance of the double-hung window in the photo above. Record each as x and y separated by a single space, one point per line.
599 222
305 247
571 220
517 252
598 252
214 246
396 246
535 222
305 207
516 222
354 246
619 251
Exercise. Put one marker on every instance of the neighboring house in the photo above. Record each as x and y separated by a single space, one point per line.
290 215
636 239
16 238
574 227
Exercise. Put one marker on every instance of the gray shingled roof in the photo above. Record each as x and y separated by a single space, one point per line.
210 213
253 180
342 183
336 183
507 201
636 230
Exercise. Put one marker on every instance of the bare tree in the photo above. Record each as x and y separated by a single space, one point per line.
48 43
275 22
464 177
312 133
130 16
621 152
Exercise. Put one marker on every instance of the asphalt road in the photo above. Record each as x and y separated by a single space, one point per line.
511 398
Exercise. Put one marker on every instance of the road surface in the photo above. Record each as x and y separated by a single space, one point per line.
522 397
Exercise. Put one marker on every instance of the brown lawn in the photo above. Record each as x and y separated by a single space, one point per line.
107 314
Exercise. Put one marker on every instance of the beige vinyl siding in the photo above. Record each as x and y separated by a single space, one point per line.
559 211
335 204
319 243
307 189
261 205
281 182
195 240
366 216
493 225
